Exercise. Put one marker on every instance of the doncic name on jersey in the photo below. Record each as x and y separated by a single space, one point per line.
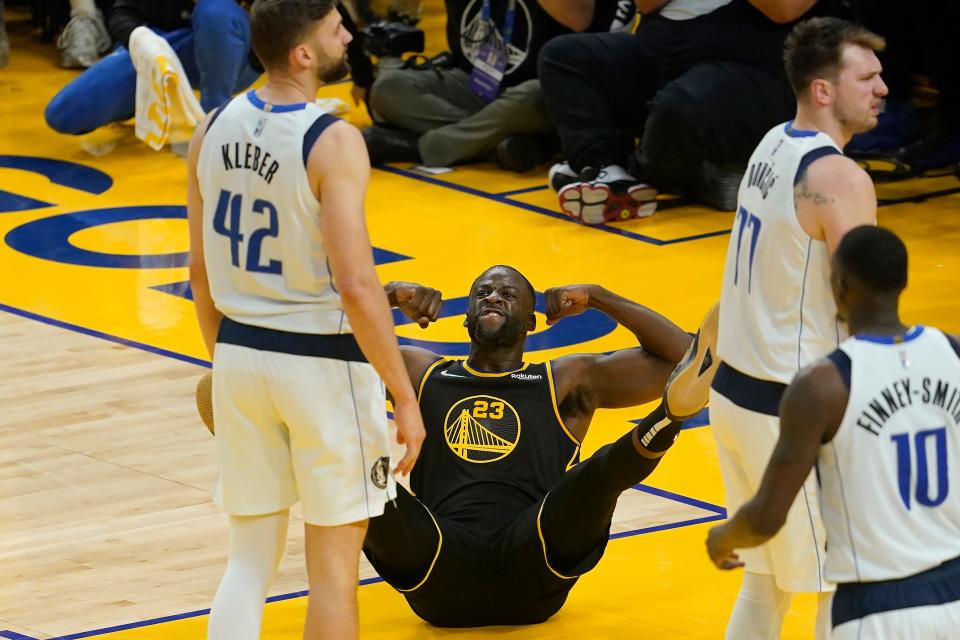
253 158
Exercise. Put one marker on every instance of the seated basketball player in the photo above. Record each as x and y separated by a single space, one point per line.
504 518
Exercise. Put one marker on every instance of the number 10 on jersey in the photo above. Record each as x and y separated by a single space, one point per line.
226 222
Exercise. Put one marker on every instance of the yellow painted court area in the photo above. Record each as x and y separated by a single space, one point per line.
105 472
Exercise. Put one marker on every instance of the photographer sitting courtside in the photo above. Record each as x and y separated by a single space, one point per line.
489 98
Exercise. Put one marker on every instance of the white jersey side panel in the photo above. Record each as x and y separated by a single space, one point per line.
890 478
776 310
264 253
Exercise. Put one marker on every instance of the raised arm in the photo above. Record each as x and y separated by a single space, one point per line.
810 412
623 378
422 305
339 162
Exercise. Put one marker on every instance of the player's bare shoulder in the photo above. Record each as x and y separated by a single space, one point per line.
828 179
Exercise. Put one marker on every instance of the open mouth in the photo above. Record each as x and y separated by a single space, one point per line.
489 311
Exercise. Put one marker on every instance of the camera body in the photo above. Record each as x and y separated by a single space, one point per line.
391 39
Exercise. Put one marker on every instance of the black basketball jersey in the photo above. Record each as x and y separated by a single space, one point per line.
495 442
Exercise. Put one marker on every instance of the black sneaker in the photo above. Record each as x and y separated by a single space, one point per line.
560 175
386 144
608 195
521 153
719 186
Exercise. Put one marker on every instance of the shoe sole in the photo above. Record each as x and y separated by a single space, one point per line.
688 389
595 203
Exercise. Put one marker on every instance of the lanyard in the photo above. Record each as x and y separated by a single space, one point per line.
485 15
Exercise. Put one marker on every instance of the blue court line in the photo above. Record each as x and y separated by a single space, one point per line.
676 497
517 192
499 198
719 513
153 621
103 336
664 527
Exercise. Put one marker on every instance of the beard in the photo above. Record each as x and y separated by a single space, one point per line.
508 334
338 71
856 122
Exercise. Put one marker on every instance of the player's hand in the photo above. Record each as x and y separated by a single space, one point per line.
720 554
419 303
410 432
566 301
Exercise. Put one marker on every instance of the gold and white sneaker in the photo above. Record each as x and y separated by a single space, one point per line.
688 388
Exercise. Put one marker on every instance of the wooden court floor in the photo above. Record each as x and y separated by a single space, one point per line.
106 524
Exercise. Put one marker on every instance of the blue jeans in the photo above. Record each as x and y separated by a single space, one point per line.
213 52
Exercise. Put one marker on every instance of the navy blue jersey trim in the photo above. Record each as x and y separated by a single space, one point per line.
797 133
310 137
809 158
216 114
857 600
953 343
841 361
747 392
334 346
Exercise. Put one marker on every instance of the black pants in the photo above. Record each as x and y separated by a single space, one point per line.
515 572
691 90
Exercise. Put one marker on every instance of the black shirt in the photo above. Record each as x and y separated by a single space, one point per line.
495 443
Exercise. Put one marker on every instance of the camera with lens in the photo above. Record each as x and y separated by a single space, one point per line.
391 39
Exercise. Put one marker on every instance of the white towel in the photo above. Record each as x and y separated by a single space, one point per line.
167 110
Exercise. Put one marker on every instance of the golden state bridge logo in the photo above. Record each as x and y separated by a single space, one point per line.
482 429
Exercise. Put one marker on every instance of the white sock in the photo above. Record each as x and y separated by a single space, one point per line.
823 626
82 8
256 546
760 609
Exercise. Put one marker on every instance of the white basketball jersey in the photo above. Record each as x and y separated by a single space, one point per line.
264 254
776 310
890 478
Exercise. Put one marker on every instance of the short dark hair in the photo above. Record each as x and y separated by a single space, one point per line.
813 49
276 26
875 257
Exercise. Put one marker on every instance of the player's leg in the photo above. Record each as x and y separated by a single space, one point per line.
758 611
256 488
794 557
332 554
403 543
575 518
335 413
256 547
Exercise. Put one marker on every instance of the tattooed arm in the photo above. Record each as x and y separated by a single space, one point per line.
833 196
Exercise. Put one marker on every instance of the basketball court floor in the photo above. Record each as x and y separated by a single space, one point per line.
106 524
